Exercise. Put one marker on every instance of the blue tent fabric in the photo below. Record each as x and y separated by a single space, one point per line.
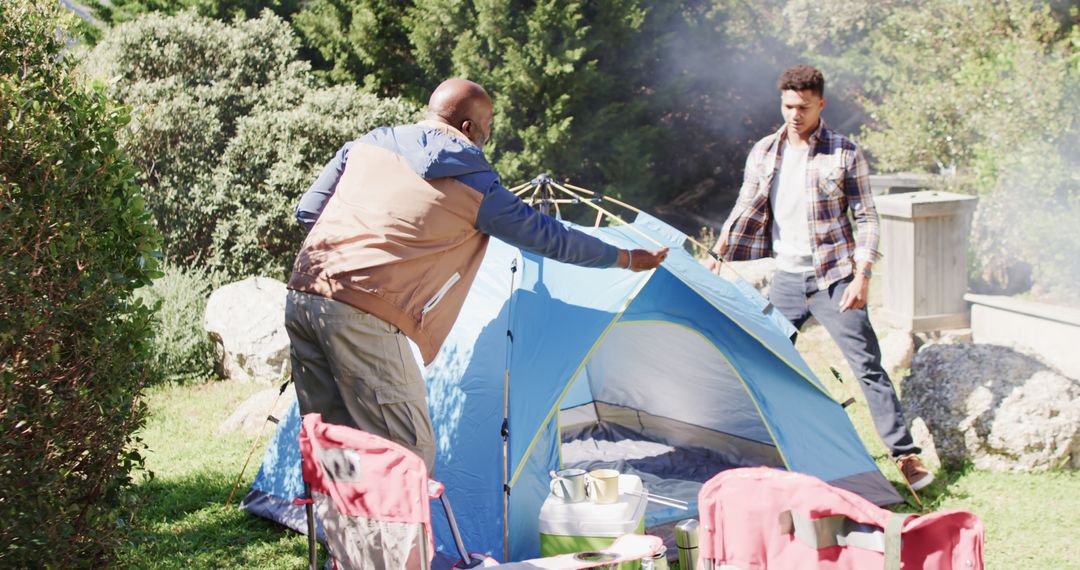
677 344
279 480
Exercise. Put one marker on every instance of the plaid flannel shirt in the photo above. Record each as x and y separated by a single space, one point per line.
838 178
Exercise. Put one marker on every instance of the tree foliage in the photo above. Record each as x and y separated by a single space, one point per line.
572 79
230 128
75 241
119 11
658 102
986 92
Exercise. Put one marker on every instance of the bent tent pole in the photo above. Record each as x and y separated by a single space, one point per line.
567 189
517 189
571 189
618 202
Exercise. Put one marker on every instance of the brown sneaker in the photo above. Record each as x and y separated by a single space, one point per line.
917 475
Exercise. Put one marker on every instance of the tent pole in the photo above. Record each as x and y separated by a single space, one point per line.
601 210
518 188
605 212
506 416
255 443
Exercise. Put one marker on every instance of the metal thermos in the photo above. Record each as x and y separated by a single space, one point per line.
657 561
686 538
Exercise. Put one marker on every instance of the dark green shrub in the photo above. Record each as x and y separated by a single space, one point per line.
75 242
181 348
229 129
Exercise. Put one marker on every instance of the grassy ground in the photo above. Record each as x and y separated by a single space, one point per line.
1032 520
182 522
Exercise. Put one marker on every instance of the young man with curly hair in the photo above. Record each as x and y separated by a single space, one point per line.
801 188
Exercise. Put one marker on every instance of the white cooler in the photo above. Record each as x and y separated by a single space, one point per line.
587 526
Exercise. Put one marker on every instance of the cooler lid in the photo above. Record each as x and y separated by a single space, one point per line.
590 519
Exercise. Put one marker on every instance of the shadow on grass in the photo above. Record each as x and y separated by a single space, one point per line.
944 487
183 523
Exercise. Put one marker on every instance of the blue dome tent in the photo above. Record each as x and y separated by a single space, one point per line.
673 374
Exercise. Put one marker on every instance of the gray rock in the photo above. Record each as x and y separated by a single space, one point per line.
246 321
950 336
251 415
925 440
897 348
999 408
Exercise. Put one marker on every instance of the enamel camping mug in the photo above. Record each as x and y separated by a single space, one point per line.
604 486
569 485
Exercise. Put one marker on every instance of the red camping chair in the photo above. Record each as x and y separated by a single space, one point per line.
373 498
757 518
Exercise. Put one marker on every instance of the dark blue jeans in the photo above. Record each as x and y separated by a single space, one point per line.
797 297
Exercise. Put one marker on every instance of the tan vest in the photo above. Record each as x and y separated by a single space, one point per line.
395 245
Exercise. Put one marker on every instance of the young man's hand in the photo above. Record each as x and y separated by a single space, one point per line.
711 264
720 249
856 294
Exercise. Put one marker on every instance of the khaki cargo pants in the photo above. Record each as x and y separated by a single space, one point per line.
357 370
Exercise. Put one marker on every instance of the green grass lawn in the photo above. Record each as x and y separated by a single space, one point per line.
1032 520
182 521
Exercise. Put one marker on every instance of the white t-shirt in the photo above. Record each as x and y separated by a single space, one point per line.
789 198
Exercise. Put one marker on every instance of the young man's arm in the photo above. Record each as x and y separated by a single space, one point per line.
746 194
860 200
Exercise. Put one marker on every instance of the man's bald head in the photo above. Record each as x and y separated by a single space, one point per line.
465 106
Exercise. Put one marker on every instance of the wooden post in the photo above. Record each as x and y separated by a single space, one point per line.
924 238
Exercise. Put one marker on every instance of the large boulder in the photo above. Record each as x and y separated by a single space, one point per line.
897 349
246 321
1001 409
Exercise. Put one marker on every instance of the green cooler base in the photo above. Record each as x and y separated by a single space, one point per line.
551 545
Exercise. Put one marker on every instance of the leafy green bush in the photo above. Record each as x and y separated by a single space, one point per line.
984 89
76 242
181 350
229 129
277 152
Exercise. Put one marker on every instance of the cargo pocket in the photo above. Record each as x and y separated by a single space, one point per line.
404 411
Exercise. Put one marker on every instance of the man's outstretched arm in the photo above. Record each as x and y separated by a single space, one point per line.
507 217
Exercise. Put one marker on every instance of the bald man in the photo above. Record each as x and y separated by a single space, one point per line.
398 224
